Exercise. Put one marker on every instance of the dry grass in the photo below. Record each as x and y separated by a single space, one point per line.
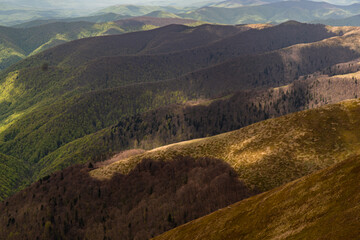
324 205
120 156
273 152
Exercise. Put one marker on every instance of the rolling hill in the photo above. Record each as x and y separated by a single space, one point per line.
323 205
155 191
50 111
18 43
266 155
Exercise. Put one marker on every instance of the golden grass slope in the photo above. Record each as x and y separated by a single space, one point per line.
324 205
273 152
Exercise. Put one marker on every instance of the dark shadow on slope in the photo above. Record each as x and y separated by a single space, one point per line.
154 197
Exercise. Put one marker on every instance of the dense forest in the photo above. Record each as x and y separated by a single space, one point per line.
154 197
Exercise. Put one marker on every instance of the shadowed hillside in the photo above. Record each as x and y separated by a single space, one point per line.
18 43
235 42
153 198
321 206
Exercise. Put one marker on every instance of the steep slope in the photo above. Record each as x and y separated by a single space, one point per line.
324 205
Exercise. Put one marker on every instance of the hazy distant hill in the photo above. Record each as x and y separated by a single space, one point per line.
303 11
138 10
350 21
108 17
228 12
16 12
241 3
162 14
148 22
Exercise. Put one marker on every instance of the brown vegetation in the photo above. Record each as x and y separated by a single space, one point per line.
154 197
324 205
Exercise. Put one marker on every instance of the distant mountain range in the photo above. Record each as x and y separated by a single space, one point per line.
239 12
303 11
349 21
108 17
224 12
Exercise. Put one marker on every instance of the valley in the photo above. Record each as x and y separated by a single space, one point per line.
213 120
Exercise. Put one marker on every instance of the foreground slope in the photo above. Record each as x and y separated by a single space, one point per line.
324 205
149 193
153 198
